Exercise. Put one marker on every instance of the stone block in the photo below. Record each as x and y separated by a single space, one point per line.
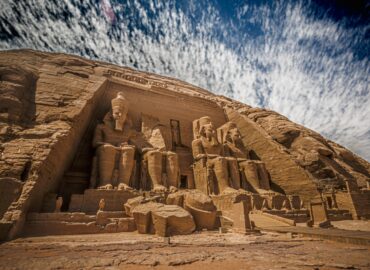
10 189
126 225
114 200
239 215
132 203
318 214
162 219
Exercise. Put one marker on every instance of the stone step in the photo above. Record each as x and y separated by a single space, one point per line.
38 224
262 220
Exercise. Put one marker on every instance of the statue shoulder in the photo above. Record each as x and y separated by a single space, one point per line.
99 126
196 142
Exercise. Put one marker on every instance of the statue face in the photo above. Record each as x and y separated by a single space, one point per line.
208 130
233 135
119 114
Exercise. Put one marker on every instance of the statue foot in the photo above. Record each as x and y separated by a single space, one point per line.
172 189
107 187
229 190
159 188
123 186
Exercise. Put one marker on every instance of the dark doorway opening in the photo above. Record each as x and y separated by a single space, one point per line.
330 202
26 171
183 181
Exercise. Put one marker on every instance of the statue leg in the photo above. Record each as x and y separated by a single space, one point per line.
234 172
126 164
172 170
106 160
263 175
222 175
251 173
155 169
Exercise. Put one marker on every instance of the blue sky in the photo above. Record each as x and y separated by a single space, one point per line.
308 60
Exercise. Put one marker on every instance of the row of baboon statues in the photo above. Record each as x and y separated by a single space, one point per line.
222 163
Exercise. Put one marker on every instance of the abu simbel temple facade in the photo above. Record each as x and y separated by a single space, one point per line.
89 147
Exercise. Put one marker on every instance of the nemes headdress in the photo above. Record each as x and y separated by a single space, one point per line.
223 130
198 123
120 101
204 121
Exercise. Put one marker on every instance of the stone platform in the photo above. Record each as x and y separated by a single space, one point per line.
38 224
338 235
89 201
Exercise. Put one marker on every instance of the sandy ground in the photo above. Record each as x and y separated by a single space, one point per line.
206 250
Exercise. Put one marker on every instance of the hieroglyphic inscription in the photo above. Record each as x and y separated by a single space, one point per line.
136 79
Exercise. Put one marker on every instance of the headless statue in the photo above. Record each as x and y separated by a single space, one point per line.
254 170
206 146
162 165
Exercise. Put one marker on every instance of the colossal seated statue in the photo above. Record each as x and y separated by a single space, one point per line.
111 141
209 160
254 171
115 142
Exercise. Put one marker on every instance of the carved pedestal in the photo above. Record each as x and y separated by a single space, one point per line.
89 201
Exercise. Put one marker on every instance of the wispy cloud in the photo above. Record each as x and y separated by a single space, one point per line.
275 56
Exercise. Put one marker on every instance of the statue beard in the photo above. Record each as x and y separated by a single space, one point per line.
211 138
119 123
236 141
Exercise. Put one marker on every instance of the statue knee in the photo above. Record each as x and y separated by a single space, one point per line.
107 149
221 160
171 156
130 151
153 155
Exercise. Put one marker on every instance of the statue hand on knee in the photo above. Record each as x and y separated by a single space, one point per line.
108 187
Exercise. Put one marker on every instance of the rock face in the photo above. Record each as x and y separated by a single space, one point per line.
328 162
50 105
198 204
164 220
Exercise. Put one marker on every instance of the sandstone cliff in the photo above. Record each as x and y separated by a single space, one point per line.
49 102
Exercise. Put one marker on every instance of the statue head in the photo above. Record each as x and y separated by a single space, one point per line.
232 134
206 128
119 110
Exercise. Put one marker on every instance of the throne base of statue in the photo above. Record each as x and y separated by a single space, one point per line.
89 201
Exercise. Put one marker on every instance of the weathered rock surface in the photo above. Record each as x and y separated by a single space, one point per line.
50 103
162 219
198 204
328 162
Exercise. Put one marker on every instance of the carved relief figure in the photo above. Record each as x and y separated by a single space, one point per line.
254 171
111 141
208 151
175 132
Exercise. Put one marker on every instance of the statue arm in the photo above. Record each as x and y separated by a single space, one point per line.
226 150
198 151
98 137
137 139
